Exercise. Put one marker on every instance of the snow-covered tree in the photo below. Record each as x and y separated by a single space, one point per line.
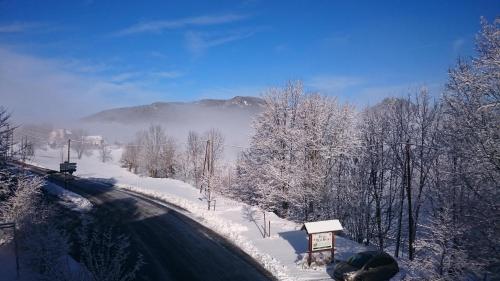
195 150
6 130
471 141
131 156
21 207
297 139
105 253
79 143
105 152
440 255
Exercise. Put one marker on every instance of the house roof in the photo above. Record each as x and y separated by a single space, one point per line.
322 226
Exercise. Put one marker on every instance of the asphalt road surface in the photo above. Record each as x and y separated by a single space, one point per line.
174 247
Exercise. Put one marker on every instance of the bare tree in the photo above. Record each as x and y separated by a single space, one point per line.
131 156
152 141
79 143
106 254
471 143
194 156
105 152
6 132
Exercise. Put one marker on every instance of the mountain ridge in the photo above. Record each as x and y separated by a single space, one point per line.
177 111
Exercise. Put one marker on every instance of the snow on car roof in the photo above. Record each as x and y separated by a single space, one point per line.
322 226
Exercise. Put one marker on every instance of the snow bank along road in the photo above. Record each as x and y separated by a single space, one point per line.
174 247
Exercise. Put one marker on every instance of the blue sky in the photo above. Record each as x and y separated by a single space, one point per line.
101 54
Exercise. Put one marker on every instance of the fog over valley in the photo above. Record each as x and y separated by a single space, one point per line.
232 117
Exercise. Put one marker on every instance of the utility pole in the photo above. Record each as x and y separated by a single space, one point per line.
69 145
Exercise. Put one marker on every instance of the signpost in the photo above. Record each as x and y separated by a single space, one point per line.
67 167
321 236
321 241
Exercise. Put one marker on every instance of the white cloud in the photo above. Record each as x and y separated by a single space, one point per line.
16 27
337 39
39 89
457 44
122 77
230 92
158 55
82 66
198 42
168 74
157 26
373 94
332 83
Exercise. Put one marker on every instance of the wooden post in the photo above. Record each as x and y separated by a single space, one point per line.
269 231
310 250
333 245
265 232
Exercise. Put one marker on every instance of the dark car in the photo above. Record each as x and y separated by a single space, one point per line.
366 266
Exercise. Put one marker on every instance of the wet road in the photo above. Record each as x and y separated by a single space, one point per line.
173 246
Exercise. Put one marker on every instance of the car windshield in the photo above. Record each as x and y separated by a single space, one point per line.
359 260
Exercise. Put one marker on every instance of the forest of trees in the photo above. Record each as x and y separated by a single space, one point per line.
417 176
155 154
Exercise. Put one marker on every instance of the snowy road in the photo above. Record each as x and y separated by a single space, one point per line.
174 246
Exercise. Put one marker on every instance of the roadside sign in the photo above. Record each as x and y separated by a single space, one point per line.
321 236
67 167
321 241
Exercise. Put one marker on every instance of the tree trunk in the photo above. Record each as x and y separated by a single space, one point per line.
410 212
400 219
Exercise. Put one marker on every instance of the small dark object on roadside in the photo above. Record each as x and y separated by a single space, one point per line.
366 266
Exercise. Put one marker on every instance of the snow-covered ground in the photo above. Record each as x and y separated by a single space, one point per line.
8 272
69 199
283 254
8 262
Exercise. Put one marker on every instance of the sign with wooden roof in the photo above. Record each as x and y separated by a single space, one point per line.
321 236
322 226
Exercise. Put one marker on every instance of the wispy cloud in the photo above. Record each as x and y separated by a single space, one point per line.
337 39
18 27
55 93
198 42
372 94
158 26
84 66
229 92
158 55
168 74
281 48
457 44
333 83
122 77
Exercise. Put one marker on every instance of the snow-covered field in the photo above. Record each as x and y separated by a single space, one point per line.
282 254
